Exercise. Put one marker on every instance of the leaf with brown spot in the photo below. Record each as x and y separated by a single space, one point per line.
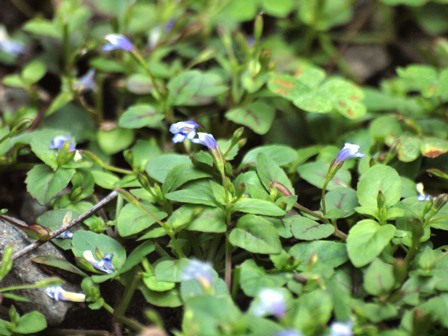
434 147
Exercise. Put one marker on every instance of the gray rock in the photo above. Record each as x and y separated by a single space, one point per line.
366 60
24 272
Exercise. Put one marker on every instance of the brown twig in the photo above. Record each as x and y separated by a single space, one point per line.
77 220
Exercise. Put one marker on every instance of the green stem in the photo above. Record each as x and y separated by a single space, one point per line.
104 165
310 212
122 319
127 296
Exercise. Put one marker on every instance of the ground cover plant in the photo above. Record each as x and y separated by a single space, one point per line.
229 167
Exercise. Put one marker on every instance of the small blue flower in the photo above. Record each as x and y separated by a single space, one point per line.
66 235
206 140
9 46
183 130
60 140
349 151
105 265
341 329
289 332
198 270
59 294
117 42
422 196
86 82
270 301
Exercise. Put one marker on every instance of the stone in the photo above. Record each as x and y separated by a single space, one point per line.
25 272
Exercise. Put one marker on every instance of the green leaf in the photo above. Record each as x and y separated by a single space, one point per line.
33 72
315 173
306 92
254 277
132 220
332 254
196 192
375 179
159 167
162 299
269 171
314 309
42 27
408 148
379 278
170 269
366 240
30 323
278 8
209 220
345 96
44 184
14 81
140 115
330 14
257 207
209 315
385 129
180 175
91 241
193 88
306 229
104 179
291 87
281 154
241 10
153 284
58 263
255 234
340 203
40 145
137 255
258 116
434 147
114 140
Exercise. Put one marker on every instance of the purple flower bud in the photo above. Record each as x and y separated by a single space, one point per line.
59 294
341 329
60 140
206 140
198 270
117 42
349 151
270 301
105 265
183 130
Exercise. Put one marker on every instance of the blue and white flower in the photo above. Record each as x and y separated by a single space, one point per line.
349 151
105 265
117 42
86 82
198 270
270 301
9 46
207 140
422 196
341 329
183 130
58 141
59 294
